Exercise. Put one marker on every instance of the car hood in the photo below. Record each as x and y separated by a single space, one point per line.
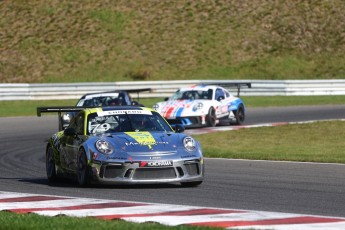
176 108
141 142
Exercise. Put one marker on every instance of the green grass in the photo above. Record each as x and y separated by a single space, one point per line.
54 41
266 101
13 221
311 142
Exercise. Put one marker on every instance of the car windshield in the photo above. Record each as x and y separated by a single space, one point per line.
102 101
126 121
192 95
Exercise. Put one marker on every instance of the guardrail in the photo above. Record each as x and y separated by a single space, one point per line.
56 91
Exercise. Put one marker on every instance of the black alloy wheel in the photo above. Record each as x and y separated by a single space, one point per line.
211 117
239 115
50 165
83 171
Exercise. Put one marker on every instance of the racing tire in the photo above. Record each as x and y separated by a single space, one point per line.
191 184
83 169
239 115
211 117
50 165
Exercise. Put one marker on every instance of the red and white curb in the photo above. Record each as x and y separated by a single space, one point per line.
162 213
229 128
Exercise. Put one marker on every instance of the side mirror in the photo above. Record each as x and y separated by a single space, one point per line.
70 132
179 128
135 103
220 98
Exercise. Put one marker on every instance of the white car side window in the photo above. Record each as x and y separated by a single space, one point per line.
219 93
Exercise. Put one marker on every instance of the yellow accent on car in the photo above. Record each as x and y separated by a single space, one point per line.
143 138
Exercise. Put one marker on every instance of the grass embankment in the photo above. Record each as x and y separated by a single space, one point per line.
78 41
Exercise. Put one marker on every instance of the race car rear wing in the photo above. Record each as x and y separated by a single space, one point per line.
138 91
238 85
59 110
132 91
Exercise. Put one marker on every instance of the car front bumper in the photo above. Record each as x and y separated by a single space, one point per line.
132 173
188 122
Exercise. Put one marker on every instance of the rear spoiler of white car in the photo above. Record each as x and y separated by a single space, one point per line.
238 85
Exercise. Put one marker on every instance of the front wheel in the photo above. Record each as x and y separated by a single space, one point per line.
83 171
211 117
50 165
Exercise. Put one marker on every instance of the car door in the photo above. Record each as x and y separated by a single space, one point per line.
222 98
72 142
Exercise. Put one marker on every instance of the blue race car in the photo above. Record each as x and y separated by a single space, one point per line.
122 145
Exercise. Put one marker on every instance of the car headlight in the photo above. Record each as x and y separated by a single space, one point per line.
104 147
198 106
189 144
155 106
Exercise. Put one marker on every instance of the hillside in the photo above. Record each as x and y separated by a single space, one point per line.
91 40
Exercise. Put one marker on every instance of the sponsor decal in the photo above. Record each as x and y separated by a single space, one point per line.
155 164
188 156
155 158
116 112
146 143
101 95
142 138
116 158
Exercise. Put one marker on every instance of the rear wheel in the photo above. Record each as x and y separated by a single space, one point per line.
50 165
211 117
83 171
239 115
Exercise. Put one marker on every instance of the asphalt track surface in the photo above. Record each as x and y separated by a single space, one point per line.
303 188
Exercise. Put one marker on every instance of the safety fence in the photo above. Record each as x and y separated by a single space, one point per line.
57 91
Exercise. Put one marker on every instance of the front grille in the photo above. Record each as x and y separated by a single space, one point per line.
112 171
192 169
154 173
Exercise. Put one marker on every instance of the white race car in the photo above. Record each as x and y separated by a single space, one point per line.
202 105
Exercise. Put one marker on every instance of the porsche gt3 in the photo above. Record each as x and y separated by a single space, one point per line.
122 145
202 105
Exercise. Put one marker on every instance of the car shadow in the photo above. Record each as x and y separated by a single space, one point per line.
44 181
71 183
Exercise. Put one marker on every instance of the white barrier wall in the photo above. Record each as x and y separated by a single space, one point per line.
166 88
